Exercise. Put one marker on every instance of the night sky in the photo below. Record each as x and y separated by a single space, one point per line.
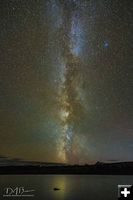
66 81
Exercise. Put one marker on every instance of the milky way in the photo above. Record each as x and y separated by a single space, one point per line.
70 87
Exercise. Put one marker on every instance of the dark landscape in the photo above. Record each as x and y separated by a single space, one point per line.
121 168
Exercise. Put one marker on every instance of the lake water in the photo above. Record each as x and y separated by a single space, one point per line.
72 187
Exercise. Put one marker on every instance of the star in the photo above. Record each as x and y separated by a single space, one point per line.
106 44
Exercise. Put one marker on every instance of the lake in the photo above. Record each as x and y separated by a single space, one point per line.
72 187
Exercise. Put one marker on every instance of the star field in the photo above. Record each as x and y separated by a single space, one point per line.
66 80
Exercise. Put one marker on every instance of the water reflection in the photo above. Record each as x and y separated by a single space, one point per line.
72 187
61 183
